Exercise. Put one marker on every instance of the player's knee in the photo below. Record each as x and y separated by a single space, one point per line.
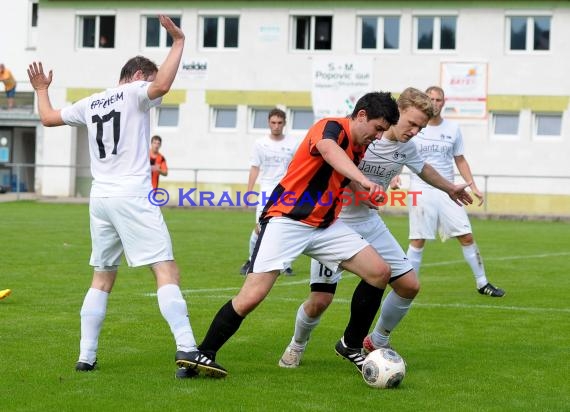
411 289
246 303
244 307
380 275
466 240
407 285
317 304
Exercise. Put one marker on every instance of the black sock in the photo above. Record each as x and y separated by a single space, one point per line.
363 308
224 325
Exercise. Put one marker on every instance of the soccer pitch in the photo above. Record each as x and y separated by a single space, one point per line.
464 351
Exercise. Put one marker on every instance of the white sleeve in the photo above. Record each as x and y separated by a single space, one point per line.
256 157
458 148
414 161
145 103
74 115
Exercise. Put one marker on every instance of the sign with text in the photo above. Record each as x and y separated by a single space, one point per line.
465 87
194 69
338 82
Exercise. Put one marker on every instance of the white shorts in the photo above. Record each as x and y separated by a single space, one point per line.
374 230
436 212
129 224
282 240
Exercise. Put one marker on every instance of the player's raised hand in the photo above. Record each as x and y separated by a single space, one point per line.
171 28
38 79
460 196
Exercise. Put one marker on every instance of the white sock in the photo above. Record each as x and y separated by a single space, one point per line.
173 308
394 308
415 257
92 315
475 261
252 242
304 325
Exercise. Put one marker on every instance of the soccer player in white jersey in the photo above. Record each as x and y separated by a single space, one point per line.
122 219
270 157
383 160
441 145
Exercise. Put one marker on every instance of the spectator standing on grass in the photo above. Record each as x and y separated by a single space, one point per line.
301 217
158 166
384 159
121 217
269 160
441 145
7 78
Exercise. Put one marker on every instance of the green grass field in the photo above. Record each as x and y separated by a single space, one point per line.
464 351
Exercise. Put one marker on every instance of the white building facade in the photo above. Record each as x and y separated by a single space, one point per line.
243 58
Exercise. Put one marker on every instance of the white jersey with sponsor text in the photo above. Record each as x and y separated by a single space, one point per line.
438 145
383 160
118 128
273 158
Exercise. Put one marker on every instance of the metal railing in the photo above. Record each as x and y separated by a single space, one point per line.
23 177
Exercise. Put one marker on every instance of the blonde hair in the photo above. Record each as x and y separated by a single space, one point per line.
412 97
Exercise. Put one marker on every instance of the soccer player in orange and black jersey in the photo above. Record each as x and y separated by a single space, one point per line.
158 164
301 218
307 192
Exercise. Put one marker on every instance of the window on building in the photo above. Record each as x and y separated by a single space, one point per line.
435 32
168 116
154 34
96 31
224 117
32 24
379 32
528 33
312 33
301 119
259 119
221 32
34 14
548 124
506 124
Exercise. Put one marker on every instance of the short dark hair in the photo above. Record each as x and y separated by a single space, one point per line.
135 64
156 137
277 112
378 105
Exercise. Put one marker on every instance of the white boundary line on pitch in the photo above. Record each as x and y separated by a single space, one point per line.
422 305
541 255
432 305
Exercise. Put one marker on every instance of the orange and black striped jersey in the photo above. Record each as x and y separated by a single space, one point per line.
309 191
160 161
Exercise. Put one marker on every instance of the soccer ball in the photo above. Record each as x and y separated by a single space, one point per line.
383 368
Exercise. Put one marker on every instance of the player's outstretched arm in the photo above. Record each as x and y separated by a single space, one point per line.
40 82
456 192
168 69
